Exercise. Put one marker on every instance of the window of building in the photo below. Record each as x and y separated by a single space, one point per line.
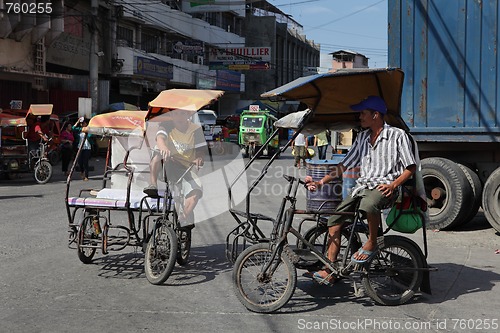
149 43
125 35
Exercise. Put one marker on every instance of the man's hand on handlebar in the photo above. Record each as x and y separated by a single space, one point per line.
312 185
198 162
165 154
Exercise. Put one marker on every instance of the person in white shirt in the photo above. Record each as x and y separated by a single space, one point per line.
299 146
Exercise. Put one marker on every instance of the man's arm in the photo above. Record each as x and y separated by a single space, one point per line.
388 189
336 172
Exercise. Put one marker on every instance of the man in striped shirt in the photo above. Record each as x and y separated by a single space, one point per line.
385 157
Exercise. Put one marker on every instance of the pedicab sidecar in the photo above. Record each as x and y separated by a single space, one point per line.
118 213
264 273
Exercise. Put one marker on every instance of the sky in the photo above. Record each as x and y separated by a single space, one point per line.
356 25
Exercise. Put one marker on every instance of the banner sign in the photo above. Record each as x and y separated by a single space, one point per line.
241 58
189 47
228 80
152 67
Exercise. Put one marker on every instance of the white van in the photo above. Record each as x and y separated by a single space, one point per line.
207 119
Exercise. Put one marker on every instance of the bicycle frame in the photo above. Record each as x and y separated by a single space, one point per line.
282 228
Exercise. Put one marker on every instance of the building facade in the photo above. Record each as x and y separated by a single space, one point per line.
125 51
348 59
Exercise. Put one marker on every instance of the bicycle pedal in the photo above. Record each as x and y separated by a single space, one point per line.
358 291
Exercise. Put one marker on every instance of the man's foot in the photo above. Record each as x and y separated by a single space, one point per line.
365 253
85 179
322 277
151 191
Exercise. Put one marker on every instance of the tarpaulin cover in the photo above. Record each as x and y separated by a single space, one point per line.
330 95
185 99
118 123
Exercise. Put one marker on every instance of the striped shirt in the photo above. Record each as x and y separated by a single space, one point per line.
381 163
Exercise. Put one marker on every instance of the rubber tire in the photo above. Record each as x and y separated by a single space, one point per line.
438 171
43 172
320 232
86 229
395 278
183 254
168 235
477 191
491 199
241 271
251 151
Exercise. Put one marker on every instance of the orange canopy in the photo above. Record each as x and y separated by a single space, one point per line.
185 99
118 123
40 109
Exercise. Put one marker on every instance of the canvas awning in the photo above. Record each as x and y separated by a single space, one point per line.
329 96
118 123
185 99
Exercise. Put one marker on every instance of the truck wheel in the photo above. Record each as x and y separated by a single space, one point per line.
491 199
477 191
449 194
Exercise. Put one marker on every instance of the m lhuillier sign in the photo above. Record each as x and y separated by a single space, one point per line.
241 58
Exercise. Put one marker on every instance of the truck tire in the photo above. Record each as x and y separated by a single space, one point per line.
477 191
491 199
449 194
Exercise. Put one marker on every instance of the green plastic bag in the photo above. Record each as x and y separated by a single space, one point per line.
403 220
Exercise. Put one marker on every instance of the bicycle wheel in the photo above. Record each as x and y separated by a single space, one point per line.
318 236
184 239
87 241
395 274
160 254
43 172
258 292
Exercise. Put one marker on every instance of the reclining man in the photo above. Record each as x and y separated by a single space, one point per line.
179 143
385 156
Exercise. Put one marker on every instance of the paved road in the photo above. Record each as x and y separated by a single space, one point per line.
45 288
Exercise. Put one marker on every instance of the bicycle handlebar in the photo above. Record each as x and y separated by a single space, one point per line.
292 178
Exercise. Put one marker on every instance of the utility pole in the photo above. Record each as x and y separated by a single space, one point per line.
94 60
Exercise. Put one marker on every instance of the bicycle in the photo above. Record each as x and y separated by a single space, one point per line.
168 237
265 274
39 163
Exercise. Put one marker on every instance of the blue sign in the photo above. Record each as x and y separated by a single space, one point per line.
228 80
152 67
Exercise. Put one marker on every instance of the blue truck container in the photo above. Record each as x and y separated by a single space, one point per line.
448 51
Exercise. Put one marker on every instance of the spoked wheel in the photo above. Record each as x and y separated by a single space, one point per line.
318 236
87 241
395 274
161 253
263 292
184 239
43 172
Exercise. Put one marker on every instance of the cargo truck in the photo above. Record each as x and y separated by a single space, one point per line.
449 53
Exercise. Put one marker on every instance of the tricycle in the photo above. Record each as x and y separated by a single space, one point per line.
256 127
265 266
15 155
119 213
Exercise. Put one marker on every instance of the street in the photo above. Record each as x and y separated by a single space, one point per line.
45 287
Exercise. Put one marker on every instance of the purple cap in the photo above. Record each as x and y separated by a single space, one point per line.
374 103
